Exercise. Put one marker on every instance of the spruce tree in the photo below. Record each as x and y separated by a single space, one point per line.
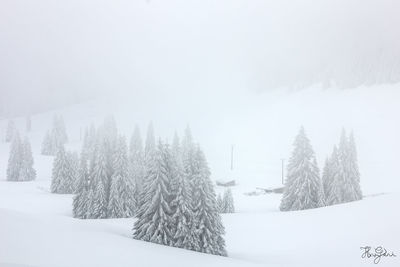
150 152
47 145
121 200
209 228
327 176
136 162
85 144
59 130
184 235
155 222
15 159
333 180
354 173
220 204
303 187
99 182
150 147
62 177
177 165
349 172
11 130
27 172
80 201
73 160
228 204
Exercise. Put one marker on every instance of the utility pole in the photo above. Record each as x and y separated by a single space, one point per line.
232 158
283 171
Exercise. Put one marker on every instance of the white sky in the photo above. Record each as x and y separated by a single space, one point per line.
58 50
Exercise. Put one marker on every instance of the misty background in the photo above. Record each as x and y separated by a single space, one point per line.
54 53
241 73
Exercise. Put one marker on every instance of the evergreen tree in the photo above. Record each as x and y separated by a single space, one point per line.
136 162
177 165
228 204
333 180
99 182
208 222
47 145
85 144
354 173
62 177
303 187
121 201
27 172
73 160
55 138
11 130
80 201
327 176
59 130
150 152
155 222
220 204
348 168
15 159
150 147
184 231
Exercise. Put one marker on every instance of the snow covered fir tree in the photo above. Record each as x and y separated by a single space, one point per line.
11 129
182 214
63 177
122 201
105 188
20 162
55 138
341 176
303 187
228 205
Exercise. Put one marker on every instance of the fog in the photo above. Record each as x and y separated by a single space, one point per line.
61 52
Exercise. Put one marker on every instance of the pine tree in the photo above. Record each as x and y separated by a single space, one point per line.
327 176
334 180
59 130
47 145
349 173
184 235
99 182
85 144
354 173
177 165
73 160
136 162
303 187
27 172
155 221
150 147
150 152
121 201
80 201
15 159
228 204
11 130
62 177
220 204
55 138
209 228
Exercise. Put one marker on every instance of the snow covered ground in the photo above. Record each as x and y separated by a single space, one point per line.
37 229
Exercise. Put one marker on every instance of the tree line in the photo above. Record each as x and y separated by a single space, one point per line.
340 182
167 187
